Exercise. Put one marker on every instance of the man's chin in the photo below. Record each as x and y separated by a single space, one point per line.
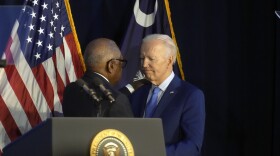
147 72
148 77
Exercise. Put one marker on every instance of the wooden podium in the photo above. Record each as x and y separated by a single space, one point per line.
65 136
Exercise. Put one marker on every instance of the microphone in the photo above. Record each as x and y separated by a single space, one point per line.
105 91
3 63
90 91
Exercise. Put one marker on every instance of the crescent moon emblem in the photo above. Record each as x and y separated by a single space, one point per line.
142 18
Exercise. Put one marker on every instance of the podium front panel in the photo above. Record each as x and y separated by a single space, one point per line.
66 136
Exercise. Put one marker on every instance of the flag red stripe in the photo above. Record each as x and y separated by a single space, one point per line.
9 56
63 52
44 84
75 57
8 53
60 84
8 121
23 95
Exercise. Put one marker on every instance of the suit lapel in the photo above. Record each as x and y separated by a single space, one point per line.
143 99
167 97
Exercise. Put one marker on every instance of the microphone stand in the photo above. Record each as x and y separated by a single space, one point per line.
99 108
95 99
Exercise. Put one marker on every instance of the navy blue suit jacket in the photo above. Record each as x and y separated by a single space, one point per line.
182 110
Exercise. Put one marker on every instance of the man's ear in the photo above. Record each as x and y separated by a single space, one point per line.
170 60
110 66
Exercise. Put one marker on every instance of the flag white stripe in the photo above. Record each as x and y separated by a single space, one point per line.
50 70
13 104
3 137
15 28
60 65
68 62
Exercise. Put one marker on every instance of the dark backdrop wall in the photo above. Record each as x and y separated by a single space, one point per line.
230 49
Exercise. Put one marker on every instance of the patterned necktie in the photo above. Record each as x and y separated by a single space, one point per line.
151 105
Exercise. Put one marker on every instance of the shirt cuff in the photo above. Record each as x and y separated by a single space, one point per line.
130 88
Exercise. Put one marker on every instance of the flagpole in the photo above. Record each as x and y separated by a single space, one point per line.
68 9
174 38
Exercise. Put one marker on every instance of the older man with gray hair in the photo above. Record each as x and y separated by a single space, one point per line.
178 103
94 95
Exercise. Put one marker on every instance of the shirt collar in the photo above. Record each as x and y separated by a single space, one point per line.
165 83
102 76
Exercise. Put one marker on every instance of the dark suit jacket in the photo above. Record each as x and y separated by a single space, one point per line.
182 110
78 103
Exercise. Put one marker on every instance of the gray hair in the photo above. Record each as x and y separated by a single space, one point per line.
167 42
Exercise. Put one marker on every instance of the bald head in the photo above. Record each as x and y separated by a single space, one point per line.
103 56
98 52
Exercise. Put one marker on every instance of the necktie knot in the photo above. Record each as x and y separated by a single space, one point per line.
156 90
152 103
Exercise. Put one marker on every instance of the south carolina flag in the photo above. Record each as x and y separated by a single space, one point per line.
148 17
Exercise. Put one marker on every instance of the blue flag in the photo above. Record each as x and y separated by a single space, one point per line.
149 17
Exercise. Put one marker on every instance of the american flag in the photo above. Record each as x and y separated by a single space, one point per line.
43 57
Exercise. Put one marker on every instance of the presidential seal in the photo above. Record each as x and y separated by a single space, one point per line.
111 142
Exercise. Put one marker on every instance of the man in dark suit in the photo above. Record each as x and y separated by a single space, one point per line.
93 94
179 104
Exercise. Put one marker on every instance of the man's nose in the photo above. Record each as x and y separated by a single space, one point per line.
144 62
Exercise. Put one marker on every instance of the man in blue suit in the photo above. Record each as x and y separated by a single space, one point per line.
179 104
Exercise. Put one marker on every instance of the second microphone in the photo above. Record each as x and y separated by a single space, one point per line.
104 90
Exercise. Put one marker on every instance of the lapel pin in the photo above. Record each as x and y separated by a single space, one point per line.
172 92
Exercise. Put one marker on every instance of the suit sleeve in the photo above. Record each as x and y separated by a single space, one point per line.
192 124
125 91
121 108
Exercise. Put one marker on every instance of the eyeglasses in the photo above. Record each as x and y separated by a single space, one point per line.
123 62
